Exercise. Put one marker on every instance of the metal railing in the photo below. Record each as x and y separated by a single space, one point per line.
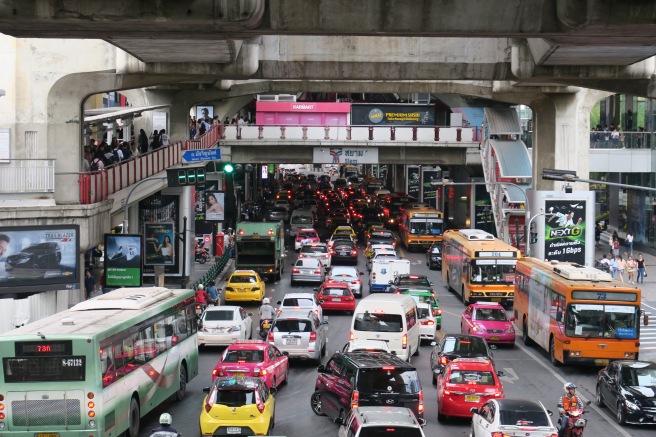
626 140
27 176
97 186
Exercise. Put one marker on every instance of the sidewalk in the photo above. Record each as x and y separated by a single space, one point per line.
649 255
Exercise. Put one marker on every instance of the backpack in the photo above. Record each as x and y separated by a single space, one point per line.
94 165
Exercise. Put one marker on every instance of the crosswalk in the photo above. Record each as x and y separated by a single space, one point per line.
648 339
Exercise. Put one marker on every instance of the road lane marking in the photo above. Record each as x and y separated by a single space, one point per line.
647 305
609 419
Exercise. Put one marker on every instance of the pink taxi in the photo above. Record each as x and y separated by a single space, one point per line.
490 321
253 358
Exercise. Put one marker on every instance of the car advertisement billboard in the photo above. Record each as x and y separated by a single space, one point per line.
39 258
123 260
564 236
158 247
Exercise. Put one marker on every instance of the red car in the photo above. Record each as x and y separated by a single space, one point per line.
465 383
253 358
336 296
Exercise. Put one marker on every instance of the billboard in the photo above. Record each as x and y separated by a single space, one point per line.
39 258
413 188
214 205
158 244
162 208
392 115
564 230
123 260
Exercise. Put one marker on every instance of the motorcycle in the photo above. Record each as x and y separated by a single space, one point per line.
202 256
265 326
576 423
200 309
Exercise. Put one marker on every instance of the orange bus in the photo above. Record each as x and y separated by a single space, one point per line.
577 313
478 266
420 225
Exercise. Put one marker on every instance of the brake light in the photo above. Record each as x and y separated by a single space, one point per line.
355 399
498 394
317 272
499 434
444 360
421 402
240 232
404 341
389 368
357 281
296 270
427 322
301 255
270 336
437 312
414 277
354 252
313 336
352 336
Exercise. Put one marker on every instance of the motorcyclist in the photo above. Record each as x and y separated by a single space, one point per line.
266 311
165 427
369 251
213 293
567 403
201 295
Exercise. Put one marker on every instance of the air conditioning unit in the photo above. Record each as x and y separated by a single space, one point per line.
276 98
577 272
476 235
267 98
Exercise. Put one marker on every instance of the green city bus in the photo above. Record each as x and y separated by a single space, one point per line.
97 368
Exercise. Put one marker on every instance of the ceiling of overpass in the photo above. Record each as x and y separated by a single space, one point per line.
593 43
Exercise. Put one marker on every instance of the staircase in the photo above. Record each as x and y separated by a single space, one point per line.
507 170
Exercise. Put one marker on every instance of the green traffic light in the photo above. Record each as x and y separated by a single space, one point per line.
228 168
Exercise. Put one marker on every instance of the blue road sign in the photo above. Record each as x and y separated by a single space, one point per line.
201 155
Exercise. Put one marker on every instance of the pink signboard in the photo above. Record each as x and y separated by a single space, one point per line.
302 113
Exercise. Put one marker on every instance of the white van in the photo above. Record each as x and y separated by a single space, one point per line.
391 318
300 219
385 270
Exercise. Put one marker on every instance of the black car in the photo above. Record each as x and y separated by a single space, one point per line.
402 283
39 256
344 251
453 346
628 388
434 257
351 379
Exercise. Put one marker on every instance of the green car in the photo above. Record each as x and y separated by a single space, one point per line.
427 296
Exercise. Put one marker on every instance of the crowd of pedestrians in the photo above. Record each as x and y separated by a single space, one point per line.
99 155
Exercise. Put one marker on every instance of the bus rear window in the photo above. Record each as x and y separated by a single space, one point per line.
38 369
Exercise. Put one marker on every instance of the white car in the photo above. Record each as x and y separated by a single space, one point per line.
308 270
426 321
347 275
222 325
317 250
298 301
284 203
366 346
513 417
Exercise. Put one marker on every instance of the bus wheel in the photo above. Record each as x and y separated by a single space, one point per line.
552 353
133 419
525 338
179 395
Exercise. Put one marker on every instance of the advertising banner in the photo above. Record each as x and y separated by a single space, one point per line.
483 217
393 115
413 181
214 205
565 225
123 260
158 245
162 208
39 258
345 155
430 177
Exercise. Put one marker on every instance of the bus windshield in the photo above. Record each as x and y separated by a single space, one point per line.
493 272
426 226
602 321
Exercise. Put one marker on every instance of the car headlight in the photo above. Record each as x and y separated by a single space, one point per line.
635 406
477 328
510 330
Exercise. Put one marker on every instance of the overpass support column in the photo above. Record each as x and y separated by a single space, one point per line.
562 135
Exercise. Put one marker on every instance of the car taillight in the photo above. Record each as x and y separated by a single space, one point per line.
444 360
259 372
313 336
421 402
498 394
357 281
317 272
355 399
354 252
316 313
437 312
298 238
296 271
352 336
499 434
270 336
427 322
404 341
332 252
300 255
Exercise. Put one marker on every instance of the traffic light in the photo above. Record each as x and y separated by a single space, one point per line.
228 168
534 237
184 176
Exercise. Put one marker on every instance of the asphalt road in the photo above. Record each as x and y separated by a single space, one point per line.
528 374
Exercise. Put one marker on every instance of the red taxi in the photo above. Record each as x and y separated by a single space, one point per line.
253 358
490 321
465 383
336 296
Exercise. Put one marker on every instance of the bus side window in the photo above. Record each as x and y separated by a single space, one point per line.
160 336
108 366
146 343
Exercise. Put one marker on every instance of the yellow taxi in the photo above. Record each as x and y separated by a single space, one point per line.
245 285
238 406
345 231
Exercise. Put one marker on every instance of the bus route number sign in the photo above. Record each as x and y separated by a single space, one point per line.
495 254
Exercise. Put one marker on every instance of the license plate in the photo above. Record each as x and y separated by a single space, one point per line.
601 362
266 325
496 299
494 338
234 430
237 373
337 299
472 398
46 434
291 341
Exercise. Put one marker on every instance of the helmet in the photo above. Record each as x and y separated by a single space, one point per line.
265 301
165 419
201 286
569 385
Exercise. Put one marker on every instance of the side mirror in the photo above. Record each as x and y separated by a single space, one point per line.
279 302
339 421
286 353
588 403
474 410
512 319
321 302
361 273
550 413
433 343
249 314
321 368
390 282
467 316
501 373
273 390
492 346
430 283
438 371
315 289
206 389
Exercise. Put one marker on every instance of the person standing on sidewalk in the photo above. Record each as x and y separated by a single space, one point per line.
629 242
89 284
641 269
613 266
